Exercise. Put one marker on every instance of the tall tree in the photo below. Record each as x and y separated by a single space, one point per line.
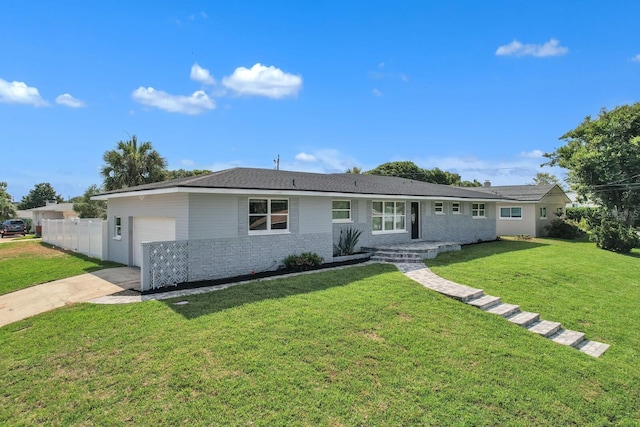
410 170
183 173
545 178
355 170
602 156
7 209
438 176
39 196
87 208
404 169
132 164
474 183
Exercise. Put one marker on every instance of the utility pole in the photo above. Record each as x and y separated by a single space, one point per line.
277 162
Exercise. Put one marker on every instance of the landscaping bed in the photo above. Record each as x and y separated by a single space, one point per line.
347 260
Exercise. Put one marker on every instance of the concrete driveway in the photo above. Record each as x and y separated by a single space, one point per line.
37 299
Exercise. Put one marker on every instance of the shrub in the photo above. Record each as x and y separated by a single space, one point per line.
304 261
564 229
613 235
348 241
589 216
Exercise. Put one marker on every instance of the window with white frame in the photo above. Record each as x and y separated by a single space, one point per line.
559 212
388 216
341 210
510 212
268 215
478 210
456 208
117 227
438 208
543 212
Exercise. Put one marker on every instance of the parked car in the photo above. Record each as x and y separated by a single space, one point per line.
13 226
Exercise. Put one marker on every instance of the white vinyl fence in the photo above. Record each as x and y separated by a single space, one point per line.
85 236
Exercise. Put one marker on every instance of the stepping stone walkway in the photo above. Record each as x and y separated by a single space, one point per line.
477 298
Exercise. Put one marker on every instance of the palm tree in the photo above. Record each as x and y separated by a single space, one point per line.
132 164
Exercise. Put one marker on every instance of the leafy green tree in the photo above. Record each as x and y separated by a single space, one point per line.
544 178
183 173
438 176
602 156
132 164
87 208
355 170
410 170
7 209
474 183
39 196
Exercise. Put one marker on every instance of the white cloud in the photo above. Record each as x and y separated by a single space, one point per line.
533 154
69 101
304 157
201 75
227 165
187 162
260 80
515 48
204 15
325 161
20 93
197 103
376 92
508 171
636 58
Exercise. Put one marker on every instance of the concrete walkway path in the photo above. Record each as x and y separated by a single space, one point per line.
37 299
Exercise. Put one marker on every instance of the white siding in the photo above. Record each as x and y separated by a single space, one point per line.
151 229
514 227
213 216
165 205
315 215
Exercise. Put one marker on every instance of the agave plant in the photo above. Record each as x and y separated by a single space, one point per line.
348 241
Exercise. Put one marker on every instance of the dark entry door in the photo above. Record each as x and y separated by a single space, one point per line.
415 220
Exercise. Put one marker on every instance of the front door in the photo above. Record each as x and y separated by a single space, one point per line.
415 220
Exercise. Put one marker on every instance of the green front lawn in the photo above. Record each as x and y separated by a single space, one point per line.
27 263
360 346
586 289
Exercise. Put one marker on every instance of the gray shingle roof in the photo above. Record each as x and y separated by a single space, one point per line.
55 207
270 179
524 193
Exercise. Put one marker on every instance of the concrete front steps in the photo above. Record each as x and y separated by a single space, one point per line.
414 252
491 304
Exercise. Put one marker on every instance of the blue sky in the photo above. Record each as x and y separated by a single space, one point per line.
477 88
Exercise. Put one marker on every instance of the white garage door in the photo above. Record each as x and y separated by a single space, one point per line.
151 229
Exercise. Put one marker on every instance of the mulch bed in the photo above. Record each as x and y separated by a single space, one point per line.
236 279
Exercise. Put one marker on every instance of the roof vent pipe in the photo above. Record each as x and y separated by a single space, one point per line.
487 184
294 182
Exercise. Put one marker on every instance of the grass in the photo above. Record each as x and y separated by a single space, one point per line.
26 237
360 346
28 263
572 282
